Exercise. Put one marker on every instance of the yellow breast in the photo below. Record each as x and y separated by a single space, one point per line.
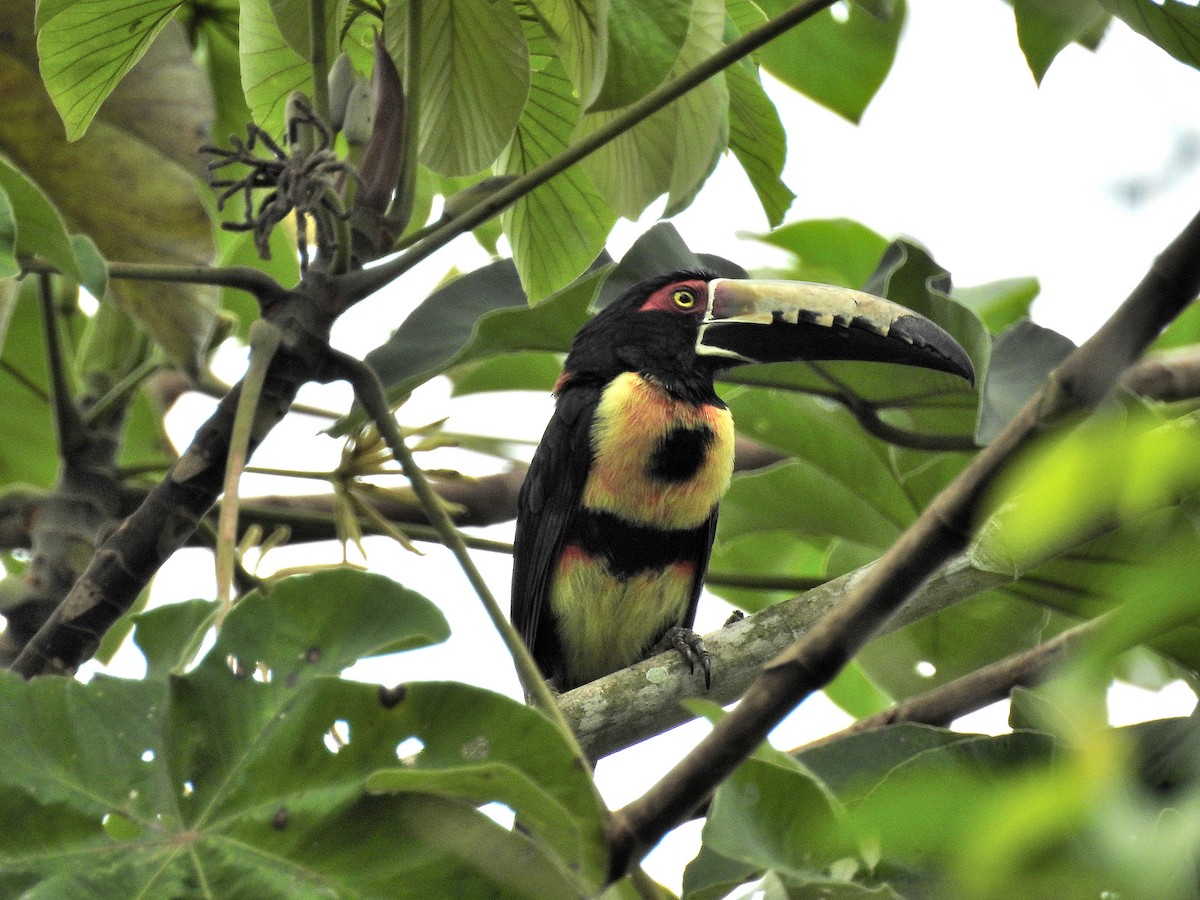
606 622
633 423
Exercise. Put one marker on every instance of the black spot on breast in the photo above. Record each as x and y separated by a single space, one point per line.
679 453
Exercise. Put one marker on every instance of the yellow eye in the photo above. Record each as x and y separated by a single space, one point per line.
683 298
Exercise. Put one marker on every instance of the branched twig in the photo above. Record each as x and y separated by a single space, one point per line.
942 530
168 516
945 703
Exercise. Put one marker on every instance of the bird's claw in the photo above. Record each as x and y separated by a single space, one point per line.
690 646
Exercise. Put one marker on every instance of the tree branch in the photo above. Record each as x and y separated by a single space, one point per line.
942 530
945 703
167 518
245 278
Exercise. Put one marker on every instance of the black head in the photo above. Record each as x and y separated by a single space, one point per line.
653 329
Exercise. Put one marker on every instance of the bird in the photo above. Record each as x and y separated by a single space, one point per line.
618 510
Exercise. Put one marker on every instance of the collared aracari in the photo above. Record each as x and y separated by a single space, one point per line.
617 515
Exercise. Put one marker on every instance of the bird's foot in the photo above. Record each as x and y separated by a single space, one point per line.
690 646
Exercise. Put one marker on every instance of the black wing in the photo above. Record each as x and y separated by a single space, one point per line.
546 506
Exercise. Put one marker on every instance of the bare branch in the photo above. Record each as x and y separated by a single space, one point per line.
1167 377
942 705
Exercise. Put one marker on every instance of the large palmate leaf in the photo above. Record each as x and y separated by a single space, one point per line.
87 46
560 228
474 75
267 785
839 61
139 156
673 151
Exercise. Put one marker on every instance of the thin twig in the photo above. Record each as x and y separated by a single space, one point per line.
264 341
369 392
945 703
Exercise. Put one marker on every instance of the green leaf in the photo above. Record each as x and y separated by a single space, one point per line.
93 270
775 814
1172 25
271 69
758 140
579 29
829 251
674 150
1022 357
931 804
761 555
1183 331
1106 470
237 249
854 765
434 332
1046 27
936 650
139 155
841 483
217 49
260 783
294 18
474 77
325 622
168 636
855 692
840 64
40 230
28 453
559 229
644 42
526 371
87 47
1000 303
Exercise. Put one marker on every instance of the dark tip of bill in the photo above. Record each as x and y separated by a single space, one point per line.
935 340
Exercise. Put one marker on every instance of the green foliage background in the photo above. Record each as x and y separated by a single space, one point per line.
252 768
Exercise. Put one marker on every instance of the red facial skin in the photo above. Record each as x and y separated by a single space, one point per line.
682 297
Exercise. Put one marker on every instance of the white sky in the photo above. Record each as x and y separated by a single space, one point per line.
961 151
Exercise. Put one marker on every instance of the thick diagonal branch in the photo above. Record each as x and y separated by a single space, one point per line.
169 514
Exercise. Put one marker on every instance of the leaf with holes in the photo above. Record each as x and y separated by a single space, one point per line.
249 774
